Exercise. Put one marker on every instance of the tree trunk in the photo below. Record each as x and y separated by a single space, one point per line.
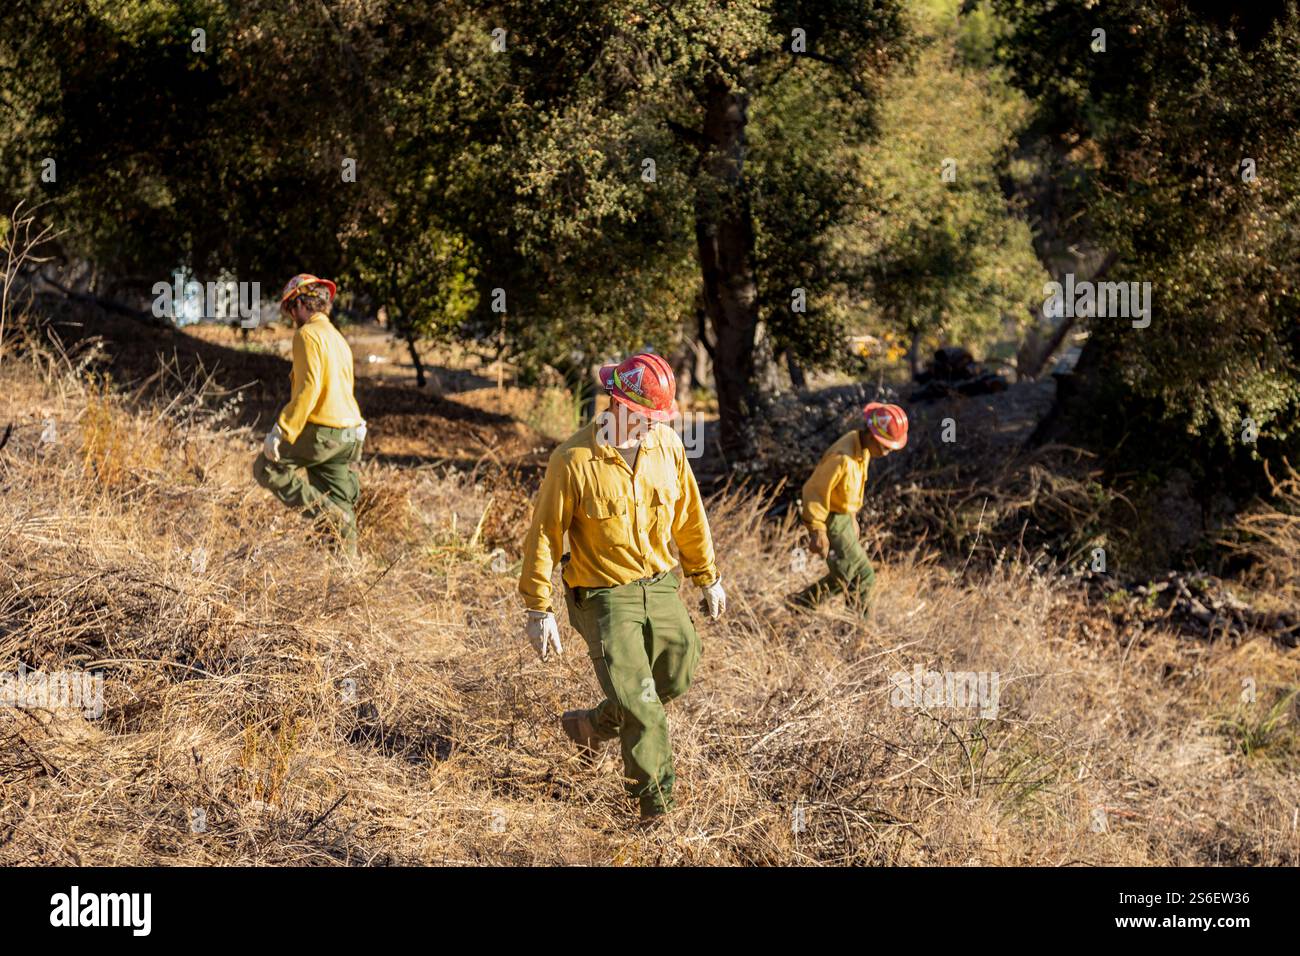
798 380
1033 364
415 356
401 322
702 370
724 235
914 354
1075 394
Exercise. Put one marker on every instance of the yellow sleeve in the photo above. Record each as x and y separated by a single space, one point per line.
308 381
691 527
544 543
817 491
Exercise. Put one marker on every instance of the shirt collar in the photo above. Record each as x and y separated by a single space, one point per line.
602 450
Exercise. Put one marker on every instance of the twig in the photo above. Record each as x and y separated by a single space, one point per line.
320 819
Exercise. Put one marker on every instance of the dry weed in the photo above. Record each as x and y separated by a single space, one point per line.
267 704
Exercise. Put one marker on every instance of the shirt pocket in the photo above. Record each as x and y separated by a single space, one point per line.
610 521
662 506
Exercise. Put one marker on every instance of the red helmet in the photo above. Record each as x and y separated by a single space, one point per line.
887 424
644 383
300 284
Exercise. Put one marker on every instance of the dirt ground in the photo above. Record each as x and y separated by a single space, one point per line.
460 418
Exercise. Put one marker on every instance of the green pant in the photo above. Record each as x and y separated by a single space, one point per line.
850 571
330 486
644 648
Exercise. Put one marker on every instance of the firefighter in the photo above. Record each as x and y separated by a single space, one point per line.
623 492
832 498
307 457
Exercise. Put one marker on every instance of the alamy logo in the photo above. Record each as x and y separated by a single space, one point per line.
103 909
688 427
193 301
78 690
1084 300
958 689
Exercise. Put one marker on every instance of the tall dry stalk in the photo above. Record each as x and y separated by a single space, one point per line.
20 238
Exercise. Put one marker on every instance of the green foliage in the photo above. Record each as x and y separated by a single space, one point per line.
224 158
806 181
1159 124
476 170
601 261
1265 733
947 259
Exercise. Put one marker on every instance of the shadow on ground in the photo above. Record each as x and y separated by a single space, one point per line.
406 425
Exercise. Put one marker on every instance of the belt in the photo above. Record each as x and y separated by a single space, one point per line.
580 590
653 579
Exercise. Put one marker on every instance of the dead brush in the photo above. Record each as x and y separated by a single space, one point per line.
1047 499
508 510
386 518
108 451
1266 539
266 759
271 705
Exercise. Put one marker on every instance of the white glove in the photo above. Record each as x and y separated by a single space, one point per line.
361 433
271 447
544 633
716 599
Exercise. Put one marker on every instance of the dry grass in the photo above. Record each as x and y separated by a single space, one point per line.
267 704
1268 536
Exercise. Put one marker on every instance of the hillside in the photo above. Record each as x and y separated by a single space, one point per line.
268 703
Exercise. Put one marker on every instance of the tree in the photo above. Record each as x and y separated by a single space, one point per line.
1185 132
597 160
585 177
187 133
948 256
828 58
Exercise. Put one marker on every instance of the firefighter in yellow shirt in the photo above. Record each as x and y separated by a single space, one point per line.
623 493
832 498
320 432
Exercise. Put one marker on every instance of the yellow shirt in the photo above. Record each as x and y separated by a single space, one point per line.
322 380
620 523
837 483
